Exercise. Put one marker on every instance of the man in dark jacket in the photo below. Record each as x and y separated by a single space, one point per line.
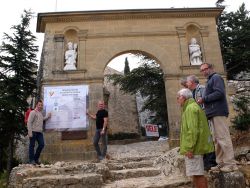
216 109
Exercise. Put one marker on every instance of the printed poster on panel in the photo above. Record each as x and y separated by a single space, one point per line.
68 106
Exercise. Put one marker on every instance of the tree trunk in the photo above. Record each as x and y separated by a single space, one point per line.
1 158
10 155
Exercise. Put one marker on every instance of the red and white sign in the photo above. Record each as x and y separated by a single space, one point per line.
151 130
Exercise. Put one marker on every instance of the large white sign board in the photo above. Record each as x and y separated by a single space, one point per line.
68 106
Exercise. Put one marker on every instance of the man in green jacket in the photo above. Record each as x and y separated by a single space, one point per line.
195 138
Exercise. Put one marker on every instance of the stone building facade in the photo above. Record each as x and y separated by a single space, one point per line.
161 34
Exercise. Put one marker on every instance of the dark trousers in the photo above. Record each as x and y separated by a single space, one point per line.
209 160
104 139
36 136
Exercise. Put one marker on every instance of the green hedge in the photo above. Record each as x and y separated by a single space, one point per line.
123 136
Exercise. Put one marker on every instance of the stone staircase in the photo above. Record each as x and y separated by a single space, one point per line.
137 172
138 165
140 172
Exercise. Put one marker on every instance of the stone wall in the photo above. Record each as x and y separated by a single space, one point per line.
237 88
240 87
123 115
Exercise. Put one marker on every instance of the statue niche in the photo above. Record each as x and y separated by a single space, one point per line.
70 57
194 52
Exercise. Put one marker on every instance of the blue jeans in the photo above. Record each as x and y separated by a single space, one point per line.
36 136
104 139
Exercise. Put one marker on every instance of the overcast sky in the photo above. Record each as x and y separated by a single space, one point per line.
11 10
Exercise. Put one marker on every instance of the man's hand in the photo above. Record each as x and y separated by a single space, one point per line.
103 132
49 115
189 154
30 134
200 101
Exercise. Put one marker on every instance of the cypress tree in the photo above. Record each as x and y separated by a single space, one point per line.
17 82
126 67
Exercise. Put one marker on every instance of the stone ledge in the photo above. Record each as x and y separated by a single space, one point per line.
69 72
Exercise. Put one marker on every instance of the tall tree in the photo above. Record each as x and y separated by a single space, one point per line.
219 3
17 81
126 67
234 34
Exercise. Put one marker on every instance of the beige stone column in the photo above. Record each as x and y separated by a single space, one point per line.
204 42
183 46
59 52
95 94
174 110
82 35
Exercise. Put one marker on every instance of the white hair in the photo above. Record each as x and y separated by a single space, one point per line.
185 93
193 78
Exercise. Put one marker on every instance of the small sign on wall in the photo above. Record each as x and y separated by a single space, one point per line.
152 130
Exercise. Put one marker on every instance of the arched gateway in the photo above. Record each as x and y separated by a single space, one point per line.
98 36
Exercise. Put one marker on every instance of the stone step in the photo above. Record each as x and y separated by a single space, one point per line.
129 165
59 181
133 173
78 168
134 159
151 182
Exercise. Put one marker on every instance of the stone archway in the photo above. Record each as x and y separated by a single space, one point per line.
100 35
125 116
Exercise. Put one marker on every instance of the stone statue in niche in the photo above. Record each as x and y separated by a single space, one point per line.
70 57
194 52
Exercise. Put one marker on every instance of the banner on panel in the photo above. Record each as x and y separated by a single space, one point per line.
68 105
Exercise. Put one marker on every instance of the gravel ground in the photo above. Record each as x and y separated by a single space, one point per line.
139 149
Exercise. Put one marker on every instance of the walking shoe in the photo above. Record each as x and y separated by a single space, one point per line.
216 168
32 162
100 158
229 168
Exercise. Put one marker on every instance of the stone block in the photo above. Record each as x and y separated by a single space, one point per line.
226 180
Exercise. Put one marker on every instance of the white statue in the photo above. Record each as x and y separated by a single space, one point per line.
195 52
70 57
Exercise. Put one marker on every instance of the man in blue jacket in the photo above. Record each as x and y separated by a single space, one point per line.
216 108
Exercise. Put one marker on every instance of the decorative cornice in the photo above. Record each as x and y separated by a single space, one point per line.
132 34
86 16
72 80
69 72
190 67
182 30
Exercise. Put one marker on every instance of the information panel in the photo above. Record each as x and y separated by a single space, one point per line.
68 106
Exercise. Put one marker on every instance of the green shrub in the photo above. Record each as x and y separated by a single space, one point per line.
122 136
3 179
242 121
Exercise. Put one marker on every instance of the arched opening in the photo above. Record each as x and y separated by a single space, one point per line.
134 91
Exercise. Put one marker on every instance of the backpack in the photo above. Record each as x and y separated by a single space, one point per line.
26 116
